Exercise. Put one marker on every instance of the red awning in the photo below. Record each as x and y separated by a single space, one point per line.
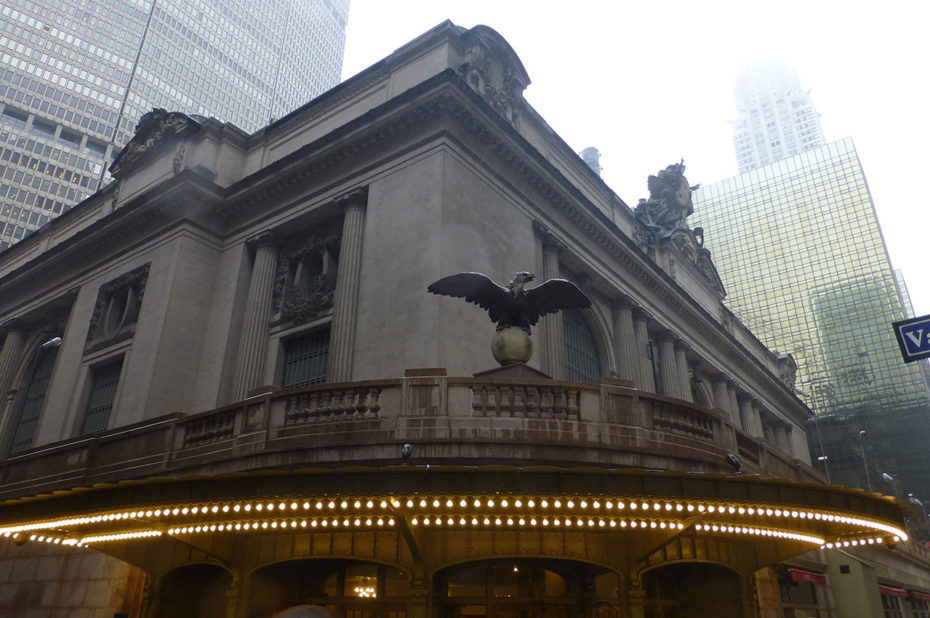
920 596
890 591
806 577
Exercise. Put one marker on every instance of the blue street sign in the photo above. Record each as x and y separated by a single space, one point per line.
913 338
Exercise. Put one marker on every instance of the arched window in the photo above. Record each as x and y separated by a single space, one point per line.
582 363
28 419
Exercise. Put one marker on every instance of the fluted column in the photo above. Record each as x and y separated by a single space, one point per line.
734 406
345 299
645 379
625 342
11 356
253 342
749 415
668 368
553 326
722 397
684 380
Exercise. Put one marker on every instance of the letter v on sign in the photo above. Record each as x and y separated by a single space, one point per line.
913 338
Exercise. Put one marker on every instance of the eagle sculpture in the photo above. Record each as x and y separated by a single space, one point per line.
513 304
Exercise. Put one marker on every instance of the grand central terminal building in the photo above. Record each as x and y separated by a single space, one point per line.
227 391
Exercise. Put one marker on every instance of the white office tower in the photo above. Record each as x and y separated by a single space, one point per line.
776 117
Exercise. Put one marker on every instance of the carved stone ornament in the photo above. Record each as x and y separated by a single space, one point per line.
787 369
663 221
153 129
493 70
305 278
117 308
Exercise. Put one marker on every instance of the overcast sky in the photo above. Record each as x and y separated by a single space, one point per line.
649 82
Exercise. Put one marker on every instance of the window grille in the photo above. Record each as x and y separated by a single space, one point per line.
32 403
305 359
102 396
581 360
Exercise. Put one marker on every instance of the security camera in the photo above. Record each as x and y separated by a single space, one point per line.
406 451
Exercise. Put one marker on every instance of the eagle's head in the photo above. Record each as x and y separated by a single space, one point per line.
519 280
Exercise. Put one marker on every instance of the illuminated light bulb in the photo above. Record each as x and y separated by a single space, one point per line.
422 503
509 521
633 505
380 521
325 523
357 504
545 522
274 524
568 522
557 504
583 504
656 506
487 522
264 524
449 503
357 522
644 506
331 505
313 523
668 507
294 506
426 521
504 503
701 508
303 523
531 503
474 521
679 507
518 503
601 523
545 504
343 505
633 523
751 511
184 511
533 521
477 503
623 524
613 524
306 506
662 525
741 510
711 508
690 508
652 524
497 521
490 502
259 507
368 522
236 508
383 504
462 521
596 504
174 511
731 510
463 503
768 512
521 521
147 514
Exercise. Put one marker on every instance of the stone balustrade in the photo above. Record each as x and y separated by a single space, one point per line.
449 420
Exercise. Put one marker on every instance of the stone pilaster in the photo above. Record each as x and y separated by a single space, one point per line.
722 396
749 415
645 380
553 326
11 356
684 380
345 297
636 597
734 406
668 368
253 343
625 342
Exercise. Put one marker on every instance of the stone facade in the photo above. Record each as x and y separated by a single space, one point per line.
282 323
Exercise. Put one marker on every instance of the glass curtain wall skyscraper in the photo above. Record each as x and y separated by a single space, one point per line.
76 76
799 248
776 118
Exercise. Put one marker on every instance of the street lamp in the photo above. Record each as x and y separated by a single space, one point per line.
891 481
826 468
865 464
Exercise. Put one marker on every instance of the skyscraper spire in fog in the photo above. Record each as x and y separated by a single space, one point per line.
776 117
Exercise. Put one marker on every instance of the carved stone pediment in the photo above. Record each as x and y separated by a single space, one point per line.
493 70
153 131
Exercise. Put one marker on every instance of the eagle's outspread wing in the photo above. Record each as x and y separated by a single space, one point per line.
551 296
478 289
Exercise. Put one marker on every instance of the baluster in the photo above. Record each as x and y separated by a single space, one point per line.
573 396
545 403
374 400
